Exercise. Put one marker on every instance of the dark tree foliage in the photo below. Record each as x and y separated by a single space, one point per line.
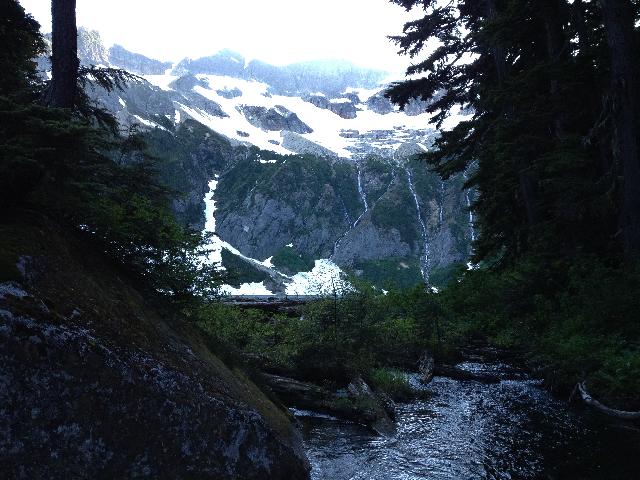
21 44
65 163
552 146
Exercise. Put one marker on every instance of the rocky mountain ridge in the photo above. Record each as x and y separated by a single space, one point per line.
331 174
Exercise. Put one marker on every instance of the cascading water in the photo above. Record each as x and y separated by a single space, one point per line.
425 259
441 209
363 197
467 196
361 191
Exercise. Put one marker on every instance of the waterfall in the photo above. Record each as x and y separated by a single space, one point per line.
467 196
363 195
214 255
441 209
425 263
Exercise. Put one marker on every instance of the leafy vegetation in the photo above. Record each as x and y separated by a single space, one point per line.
290 262
390 273
240 271
552 150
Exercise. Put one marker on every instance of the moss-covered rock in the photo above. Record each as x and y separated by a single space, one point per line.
96 383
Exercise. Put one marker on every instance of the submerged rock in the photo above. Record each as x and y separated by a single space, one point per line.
426 366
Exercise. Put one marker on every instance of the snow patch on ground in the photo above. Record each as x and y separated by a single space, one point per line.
247 289
326 278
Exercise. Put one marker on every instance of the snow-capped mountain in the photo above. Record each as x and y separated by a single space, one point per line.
307 167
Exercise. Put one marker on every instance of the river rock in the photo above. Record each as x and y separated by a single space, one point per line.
426 366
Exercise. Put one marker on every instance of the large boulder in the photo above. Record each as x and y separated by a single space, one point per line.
379 419
95 383
426 367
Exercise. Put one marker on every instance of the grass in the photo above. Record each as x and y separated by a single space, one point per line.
392 382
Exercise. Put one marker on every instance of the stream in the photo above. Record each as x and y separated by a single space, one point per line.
469 430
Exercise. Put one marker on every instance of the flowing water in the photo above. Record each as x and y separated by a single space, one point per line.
469 430
425 264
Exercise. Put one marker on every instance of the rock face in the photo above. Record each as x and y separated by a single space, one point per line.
136 63
296 143
378 211
229 93
226 62
91 50
343 107
94 384
274 119
380 104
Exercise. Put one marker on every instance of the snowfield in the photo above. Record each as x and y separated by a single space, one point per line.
327 126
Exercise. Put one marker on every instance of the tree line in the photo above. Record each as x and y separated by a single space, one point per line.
553 144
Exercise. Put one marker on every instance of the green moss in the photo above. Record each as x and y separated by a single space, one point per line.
240 271
391 273
291 262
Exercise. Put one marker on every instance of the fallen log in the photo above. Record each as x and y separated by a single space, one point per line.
358 404
612 412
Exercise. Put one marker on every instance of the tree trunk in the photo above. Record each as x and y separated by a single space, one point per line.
64 59
526 180
619 25
553 16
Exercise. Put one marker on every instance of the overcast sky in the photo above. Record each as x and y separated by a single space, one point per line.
276 31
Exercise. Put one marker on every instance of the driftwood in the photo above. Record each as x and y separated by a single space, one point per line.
612 412
358 404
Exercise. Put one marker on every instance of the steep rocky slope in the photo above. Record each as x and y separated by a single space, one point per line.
96 383
310 155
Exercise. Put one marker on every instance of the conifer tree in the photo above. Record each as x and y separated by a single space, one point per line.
553 141
62 90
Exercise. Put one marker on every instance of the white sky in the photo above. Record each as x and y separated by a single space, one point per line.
275 31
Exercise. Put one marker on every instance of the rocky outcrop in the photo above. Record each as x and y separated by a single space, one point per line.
96 384
274 119
426 367
344 107
229 93
375 409
136 63
379 104
91 50
298 144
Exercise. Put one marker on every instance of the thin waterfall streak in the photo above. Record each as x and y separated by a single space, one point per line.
425 264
